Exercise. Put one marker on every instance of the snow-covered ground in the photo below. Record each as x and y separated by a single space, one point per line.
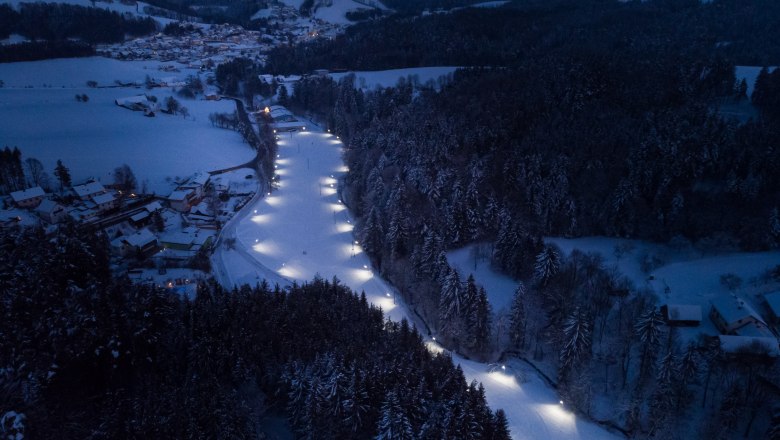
475 260
682 275
368 80
335 12
749 74
75 72
95 137
301 230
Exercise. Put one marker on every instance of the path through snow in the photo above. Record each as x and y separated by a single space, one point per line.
302 230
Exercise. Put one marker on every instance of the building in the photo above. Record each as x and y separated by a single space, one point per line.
89 190
142 242
105 202
51 211
679 315
182 200
729 314
28 198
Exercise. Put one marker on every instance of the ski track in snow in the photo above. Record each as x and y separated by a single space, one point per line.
303 230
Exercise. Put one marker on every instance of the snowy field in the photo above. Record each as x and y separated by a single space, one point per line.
334 13
75 72
368 80
95 137
301 230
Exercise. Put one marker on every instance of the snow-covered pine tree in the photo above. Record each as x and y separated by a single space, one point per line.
547 264
577 340
451 303
479 322
393 423
648 328
371 236
517 318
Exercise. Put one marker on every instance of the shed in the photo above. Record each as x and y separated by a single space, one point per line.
681 315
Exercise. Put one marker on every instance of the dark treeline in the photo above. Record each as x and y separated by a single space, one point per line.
85 355
739 30
53 24
43 50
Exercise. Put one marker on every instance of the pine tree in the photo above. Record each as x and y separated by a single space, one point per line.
648 329
517 319
547 264
393 422
577 340
63 175
451 303
371 237
500 426
480 325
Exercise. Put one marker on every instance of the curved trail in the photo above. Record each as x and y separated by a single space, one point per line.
302 231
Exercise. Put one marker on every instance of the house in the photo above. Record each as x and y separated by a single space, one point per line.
731 313
679 315
197 182
143 242
138 103
181 200
51 211
28 198
750 346
89 190
105 202
140 218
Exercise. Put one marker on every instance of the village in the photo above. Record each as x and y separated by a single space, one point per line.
161 240
202 46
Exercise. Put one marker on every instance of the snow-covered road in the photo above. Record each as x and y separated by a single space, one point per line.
302 230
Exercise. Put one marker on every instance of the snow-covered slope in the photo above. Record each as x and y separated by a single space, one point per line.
302 230
136 9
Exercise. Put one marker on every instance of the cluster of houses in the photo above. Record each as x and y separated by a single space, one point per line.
743 330
202 48
168 229
87 201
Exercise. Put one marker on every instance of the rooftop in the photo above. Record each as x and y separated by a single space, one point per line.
733 309
88 189
103 198
680 312
27 194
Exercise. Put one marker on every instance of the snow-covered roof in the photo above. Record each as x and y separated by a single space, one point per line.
103 198
749 344
178 237
773 301
27 194
754 330
88 189
47 206
139 216
680 312
154 206
734 309
198 179
138 99
179 195
141 238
